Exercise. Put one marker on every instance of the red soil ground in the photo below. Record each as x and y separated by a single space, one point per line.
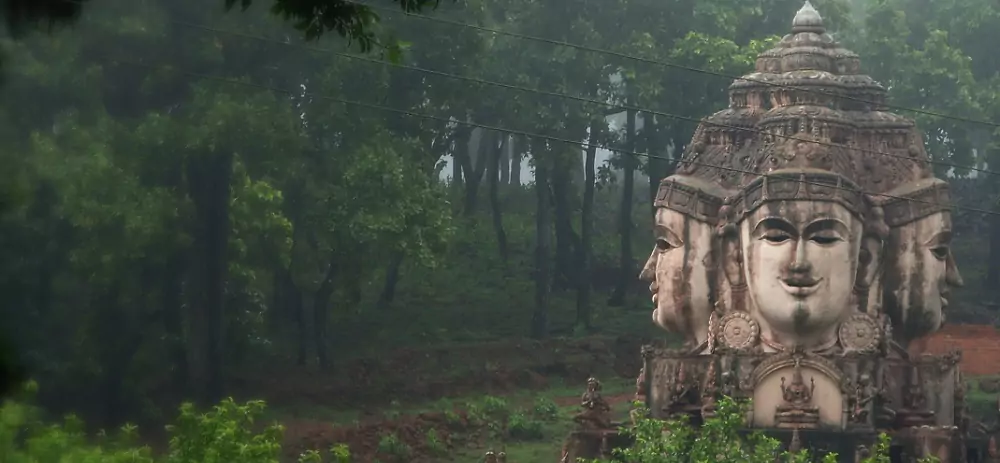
980 346
420 375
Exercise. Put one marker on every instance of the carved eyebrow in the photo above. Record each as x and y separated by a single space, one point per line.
827 224
942 237
775 222
663 232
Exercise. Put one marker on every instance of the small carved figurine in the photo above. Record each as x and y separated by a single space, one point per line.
595 413
708 392
914 411
640 386
797 411
862 453
864 393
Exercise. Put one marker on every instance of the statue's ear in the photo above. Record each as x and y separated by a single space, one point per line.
732 254
872 247
869 260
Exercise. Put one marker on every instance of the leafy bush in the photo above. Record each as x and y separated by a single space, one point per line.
435 445
545 409
523 427
223 434
719 441
391 446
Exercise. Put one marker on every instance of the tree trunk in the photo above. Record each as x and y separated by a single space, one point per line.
503 161
656 166
293 306
565 273
388 294
626 268
321 307
209 178
516 154
583 252
495 162
543 234
474 167
173 322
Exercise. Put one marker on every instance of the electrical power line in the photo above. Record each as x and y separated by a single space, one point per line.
669 64
299 93
569 97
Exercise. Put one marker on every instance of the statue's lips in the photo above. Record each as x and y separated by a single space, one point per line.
800 287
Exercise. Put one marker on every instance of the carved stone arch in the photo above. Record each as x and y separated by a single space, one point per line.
787 360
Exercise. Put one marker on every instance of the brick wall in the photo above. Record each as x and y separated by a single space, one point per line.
980 345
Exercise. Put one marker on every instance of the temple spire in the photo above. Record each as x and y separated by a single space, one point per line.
807 19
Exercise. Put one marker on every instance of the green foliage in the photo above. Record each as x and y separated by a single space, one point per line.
435 445
392 447
521 426
223 434
545 409
226 433
717 440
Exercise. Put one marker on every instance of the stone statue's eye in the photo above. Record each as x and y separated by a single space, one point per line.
663 245
940 252
775 236
825 239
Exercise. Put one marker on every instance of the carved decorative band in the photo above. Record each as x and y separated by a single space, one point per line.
903 209
688 200
800 186
787 359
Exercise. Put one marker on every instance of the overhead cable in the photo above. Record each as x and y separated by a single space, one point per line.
300 93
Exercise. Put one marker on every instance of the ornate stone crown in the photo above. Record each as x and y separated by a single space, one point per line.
691 196
915 200
799 184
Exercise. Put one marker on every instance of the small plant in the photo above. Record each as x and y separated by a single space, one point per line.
391 446
545 409
491 411
522 427
434 443
394 410
452 418
340 453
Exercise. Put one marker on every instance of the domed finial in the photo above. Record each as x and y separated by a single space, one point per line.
808 20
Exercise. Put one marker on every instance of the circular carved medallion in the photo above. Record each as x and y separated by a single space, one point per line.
860 333
738 331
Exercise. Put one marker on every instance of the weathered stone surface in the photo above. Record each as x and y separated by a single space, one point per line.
801 246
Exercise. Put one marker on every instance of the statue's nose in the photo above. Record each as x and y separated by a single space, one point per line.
799 266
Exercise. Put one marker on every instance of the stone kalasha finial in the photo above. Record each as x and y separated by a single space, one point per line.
807 19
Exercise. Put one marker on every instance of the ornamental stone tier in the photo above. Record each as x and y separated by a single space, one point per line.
801 246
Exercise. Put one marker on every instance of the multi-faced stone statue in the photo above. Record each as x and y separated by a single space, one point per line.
801 232
681 267
920 269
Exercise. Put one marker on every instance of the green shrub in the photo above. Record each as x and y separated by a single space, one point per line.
434 443
717 440
391 446
523 427
226 433
545 409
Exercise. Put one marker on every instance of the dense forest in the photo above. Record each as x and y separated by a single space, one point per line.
198 203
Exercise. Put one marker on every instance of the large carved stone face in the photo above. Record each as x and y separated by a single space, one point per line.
920 275
800 263
678 270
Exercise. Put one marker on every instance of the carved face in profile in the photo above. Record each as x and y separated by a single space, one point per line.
921 274
678 270
801 261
